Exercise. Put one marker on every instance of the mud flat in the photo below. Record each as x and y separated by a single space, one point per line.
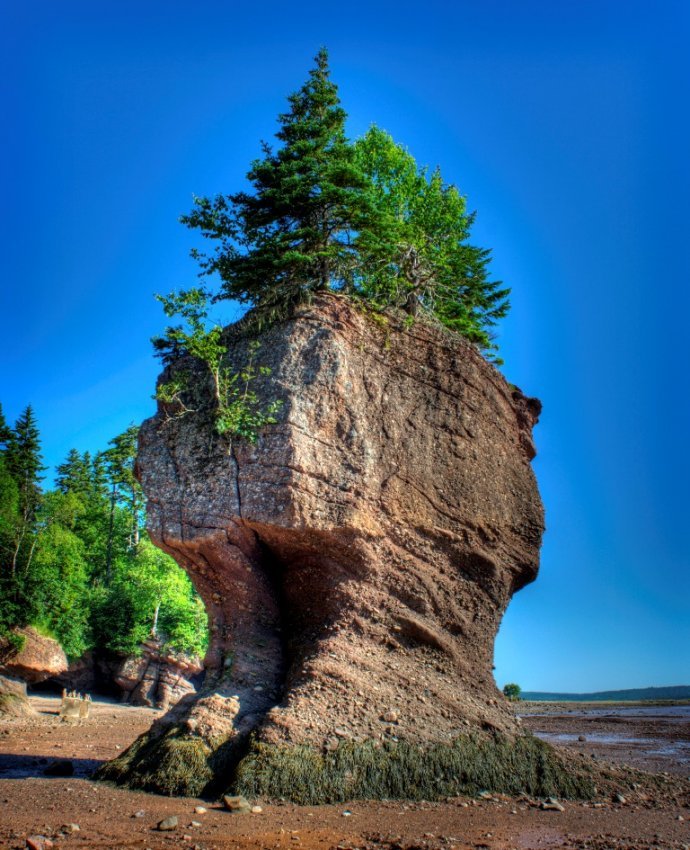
33 803
654 737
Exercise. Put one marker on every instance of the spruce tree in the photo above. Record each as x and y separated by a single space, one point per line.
5 431
294 233
23 462
74 475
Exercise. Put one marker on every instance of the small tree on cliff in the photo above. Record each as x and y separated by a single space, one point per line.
418 256
294 234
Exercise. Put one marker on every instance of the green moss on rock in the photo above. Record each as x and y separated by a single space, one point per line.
402 770
174 763
178 764
13 705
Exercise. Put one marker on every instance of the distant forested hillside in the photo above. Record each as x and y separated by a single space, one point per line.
676 692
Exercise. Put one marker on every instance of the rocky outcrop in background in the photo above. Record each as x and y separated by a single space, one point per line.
26 657
38 657
156 678
355 564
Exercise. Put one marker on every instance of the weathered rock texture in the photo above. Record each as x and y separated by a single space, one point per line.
39 657
13 699
355 564
156 678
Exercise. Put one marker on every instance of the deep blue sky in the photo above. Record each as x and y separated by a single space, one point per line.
565 124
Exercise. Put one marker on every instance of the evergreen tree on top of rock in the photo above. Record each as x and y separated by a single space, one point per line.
293 235
362 219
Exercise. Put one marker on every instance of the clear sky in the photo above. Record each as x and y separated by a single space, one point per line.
565 124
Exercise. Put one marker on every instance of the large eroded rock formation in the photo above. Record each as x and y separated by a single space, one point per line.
355 564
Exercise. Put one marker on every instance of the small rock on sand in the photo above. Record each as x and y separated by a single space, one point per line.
168 824
70 828
39 842
552 805
236 805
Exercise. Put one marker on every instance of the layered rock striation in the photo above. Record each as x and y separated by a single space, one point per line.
157 677
355 564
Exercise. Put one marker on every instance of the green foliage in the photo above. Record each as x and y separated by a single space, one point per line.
419 257
149 596
241 412
363 218
237 409
512 691
71 561
292 234
402 770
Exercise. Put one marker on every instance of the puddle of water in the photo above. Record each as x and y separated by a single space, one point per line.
594 738
679 750
680 712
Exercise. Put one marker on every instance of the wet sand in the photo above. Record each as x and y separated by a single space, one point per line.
650 737
32 803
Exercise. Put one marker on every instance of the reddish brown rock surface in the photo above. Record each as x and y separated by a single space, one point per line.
355 562
38 659
156 678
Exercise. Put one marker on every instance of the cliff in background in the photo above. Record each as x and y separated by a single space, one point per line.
355 564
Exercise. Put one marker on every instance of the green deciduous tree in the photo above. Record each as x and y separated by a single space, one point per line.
149 596
418 256
56 582
512 691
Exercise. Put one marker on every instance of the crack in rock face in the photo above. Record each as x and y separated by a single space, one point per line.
356 561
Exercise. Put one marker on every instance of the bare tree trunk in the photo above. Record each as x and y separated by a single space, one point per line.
111 531
154 627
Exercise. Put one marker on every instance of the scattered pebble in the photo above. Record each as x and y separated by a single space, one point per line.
168 824
236 804
200 810
256 810
39 842
70 828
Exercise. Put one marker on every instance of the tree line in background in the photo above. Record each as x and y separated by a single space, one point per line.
73 562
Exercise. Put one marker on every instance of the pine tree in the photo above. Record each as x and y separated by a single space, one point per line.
5 431
294 233
124 487
23 462
74 475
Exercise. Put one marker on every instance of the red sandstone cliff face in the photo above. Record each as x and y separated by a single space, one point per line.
359 558
355 562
